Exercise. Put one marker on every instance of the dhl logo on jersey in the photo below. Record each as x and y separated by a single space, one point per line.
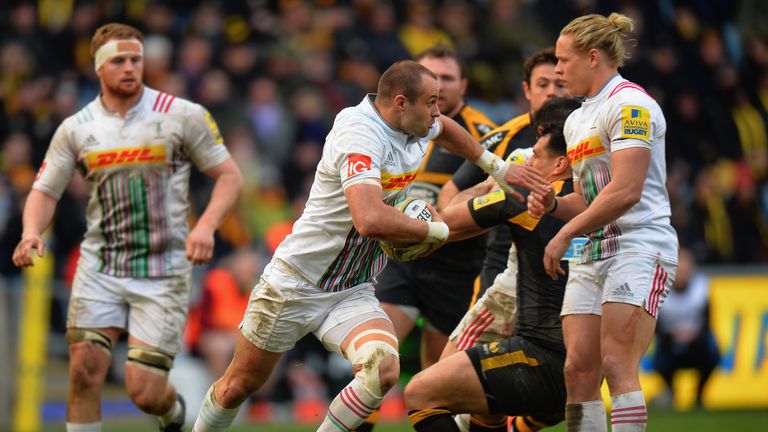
126 156
390 182
635 122
586 149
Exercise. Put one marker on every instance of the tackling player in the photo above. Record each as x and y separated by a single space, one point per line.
321 278
540 84
437 286
521 375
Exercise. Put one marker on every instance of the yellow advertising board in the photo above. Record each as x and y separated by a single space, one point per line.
739 318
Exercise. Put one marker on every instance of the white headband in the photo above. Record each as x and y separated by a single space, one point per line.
117 47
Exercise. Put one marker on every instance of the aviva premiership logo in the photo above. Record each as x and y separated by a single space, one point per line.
635 122
126 156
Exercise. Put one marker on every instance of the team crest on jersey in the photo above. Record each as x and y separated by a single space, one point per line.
358 164
635 122
126 156
488 199
390 182
586 149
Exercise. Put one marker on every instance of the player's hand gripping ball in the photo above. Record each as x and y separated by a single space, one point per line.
417 209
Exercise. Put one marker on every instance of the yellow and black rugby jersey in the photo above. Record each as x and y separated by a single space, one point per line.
439 164
514 134
539 298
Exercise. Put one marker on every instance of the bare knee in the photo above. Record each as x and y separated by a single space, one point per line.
581 375
234 388
148 398
417 394
87 367
618 370
389 371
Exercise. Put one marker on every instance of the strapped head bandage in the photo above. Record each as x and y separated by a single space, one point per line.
117 47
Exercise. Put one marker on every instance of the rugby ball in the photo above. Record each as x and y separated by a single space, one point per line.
415 208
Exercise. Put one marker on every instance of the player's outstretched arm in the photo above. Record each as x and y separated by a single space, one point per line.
38 213
457 215
375 219
457 140
226 190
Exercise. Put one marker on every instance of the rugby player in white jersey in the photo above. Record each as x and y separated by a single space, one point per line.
616 149
135 147
321 278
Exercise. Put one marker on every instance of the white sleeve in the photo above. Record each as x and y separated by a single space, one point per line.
629 121
59 164
358 153
568 134
202 141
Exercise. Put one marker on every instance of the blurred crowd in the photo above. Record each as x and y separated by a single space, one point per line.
274 74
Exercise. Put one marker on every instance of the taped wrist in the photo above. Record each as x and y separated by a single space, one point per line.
491 164
438 232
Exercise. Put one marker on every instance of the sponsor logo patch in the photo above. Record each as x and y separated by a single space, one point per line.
358 163
622 290
214 127
494 139
125 156
635 122
488 199
40 171
585 149
390 182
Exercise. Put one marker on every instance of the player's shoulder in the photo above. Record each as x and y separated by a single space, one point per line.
361 120
158 101
630 93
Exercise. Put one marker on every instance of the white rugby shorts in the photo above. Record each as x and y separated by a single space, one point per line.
284 307
153 310
636 279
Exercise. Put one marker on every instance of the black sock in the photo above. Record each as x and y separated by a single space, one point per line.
433 420
480 424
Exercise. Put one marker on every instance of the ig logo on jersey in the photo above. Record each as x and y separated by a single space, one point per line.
358 163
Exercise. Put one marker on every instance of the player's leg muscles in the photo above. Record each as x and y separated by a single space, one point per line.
90 353
450 385
371 346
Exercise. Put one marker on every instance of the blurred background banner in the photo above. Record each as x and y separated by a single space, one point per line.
739 319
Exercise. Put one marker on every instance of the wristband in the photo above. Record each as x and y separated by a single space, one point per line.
438 232
554 206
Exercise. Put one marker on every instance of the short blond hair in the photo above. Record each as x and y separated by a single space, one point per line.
111 31
608 34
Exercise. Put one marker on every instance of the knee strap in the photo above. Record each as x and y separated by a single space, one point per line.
150 359
368 356
97 338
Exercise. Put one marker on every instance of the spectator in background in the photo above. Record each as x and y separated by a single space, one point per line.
684 337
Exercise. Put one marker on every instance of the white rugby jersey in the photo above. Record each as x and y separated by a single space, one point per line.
622 115
325 247
137 170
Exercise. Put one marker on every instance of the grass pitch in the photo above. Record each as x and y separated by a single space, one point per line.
659 421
